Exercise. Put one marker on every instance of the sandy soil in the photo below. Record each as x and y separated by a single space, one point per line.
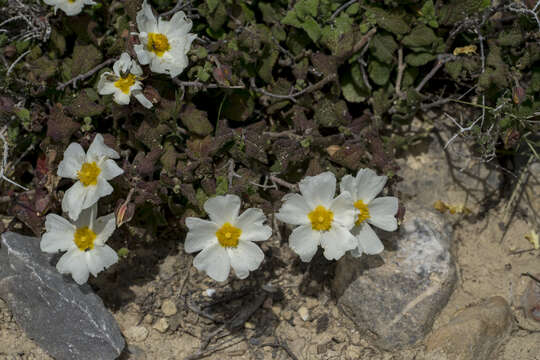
301 316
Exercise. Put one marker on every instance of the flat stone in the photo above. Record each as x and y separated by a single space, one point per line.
398 294
67 320
168 307
137 333
473 334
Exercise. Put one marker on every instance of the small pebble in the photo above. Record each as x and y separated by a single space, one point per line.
148 319
249 325
304 313
161 325
286 314
168 307
210 292
136 333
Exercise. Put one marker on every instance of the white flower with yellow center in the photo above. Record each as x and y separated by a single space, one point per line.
70 7
124 82
84 240
164 44
379 212
92 172
322 219
227 239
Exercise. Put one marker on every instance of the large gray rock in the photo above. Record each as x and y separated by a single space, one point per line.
473 334
67 320
398 294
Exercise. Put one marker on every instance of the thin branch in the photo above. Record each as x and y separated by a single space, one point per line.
341 8
283 183
205 86
4 162
86 75
294 95
16 61
441 60
401 68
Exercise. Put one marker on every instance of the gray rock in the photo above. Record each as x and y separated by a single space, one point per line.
398 294
473 334
67 320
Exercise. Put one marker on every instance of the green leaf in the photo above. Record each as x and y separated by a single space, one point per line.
383 47
312 28
379 72
212 5
419 59
222 185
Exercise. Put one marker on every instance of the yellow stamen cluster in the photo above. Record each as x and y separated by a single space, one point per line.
321 218
125 83
363 212
84 238
88 174
158 43
228 235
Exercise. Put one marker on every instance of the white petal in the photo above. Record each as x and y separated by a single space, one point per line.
319 190
143 100
73 262
344 210
135 69
72 202
336 242
180 25
143 56
215 261
201 234
222 209
58 236
120 98
294 210
98 150
304 241
251 223
109 169
104 227
105 86
95 192
246 257
368 185
123 64
100 258
87 217
146 21
367 241
348 184
382 211
159 66
74 157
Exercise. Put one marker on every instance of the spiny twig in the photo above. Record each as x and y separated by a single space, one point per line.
86 75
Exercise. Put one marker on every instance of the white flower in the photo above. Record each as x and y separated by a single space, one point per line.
164 44
323 219
84 240
378 212
227 239
70 7
92 170
123 82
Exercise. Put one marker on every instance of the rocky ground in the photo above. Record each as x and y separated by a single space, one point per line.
291 310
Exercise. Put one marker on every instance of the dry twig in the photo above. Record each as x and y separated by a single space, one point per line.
85 75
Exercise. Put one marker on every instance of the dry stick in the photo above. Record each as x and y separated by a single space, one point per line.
3 167
282 344
206 86
292 96
86 75
284 183
441 60
16 61
340 9
401 68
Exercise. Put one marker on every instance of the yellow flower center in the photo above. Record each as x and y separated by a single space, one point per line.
84 238
321 218
228 235
125 83
71 1
89 173
158 43
363 214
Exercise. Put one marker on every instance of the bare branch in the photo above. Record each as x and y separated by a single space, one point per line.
85 75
